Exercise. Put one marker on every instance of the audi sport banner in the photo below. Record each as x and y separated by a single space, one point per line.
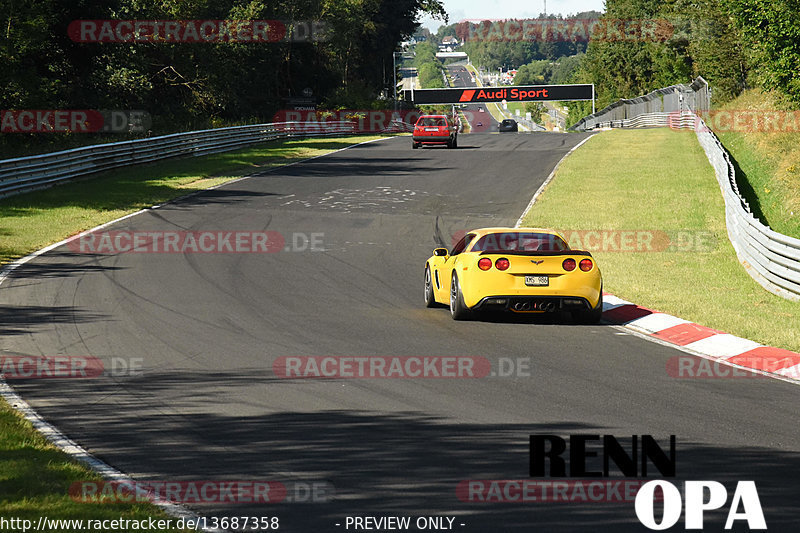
522 93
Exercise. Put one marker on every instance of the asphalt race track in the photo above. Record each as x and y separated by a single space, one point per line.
475 113
208 328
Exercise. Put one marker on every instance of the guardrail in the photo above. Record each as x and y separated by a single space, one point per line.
651 120
675 98
771 258
26 174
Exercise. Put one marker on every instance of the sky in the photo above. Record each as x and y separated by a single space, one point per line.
504 9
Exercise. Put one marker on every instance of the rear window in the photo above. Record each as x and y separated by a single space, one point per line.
508 122
432 121
526 242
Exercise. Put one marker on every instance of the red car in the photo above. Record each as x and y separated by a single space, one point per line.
435 129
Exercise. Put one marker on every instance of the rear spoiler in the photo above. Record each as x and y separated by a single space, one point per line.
538 253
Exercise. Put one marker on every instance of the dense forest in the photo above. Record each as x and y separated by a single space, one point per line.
187 85
506 44
733 44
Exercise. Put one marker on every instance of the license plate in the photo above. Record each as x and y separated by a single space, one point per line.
537 281
431 129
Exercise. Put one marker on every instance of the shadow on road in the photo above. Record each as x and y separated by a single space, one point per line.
380 463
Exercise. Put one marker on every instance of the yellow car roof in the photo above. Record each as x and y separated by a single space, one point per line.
483 231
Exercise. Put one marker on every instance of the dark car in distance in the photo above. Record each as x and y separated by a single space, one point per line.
508 125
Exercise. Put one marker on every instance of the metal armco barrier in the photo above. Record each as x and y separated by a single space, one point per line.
651 120
771 258
675 98
26 174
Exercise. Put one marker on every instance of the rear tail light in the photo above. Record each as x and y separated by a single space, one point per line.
485 263
502 264
586 265
569 265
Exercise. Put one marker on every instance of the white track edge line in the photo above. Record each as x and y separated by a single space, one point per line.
549 179
52 433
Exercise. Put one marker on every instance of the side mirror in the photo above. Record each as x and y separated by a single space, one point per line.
440 252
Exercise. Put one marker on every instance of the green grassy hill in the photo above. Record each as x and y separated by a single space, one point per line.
765 147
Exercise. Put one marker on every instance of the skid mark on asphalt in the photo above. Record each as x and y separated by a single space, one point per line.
348 200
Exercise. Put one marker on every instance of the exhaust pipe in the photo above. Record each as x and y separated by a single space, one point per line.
535 306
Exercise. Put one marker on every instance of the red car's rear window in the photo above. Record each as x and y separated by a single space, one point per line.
528 242
432 121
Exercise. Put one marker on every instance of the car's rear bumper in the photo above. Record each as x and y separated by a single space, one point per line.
476 285
431 139
532 304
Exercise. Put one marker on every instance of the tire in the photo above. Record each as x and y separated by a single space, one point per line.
414 145
591 316
455 142
458 309
449 143
430 301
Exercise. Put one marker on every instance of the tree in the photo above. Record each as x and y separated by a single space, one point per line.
772 30
534 73
190 85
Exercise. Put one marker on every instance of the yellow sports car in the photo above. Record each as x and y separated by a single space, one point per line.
524 270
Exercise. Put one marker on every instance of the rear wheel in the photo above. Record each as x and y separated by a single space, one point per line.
590 316
430 301
414 145
458 309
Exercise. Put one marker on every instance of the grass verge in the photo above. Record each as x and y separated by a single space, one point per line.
29 222
659 180
767 156
34 474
